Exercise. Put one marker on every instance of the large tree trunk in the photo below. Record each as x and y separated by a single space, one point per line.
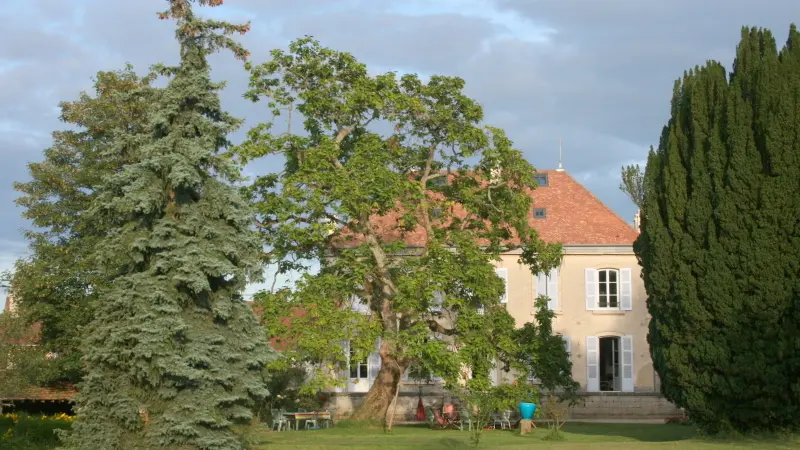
380 395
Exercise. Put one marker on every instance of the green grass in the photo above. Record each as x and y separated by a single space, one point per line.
576 436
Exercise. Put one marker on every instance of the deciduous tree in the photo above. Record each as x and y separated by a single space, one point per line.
22 364
632 183
407 201
55 285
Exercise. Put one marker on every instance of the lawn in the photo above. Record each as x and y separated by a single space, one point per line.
577 436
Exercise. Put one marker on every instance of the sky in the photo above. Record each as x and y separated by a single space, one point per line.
597 75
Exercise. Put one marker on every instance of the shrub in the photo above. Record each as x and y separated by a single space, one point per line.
20 431
678 420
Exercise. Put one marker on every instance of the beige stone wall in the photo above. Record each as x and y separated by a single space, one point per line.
573 320
623 405
406 410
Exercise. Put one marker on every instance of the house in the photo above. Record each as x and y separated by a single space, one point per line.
597 295
38 399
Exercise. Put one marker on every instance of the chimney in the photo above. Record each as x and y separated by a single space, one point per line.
637 221
9 307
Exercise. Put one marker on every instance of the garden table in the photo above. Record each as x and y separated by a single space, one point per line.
307 415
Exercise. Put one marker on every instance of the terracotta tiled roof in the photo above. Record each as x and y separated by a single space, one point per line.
573 215
277 343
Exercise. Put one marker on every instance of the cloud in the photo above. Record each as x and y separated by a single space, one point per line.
596 74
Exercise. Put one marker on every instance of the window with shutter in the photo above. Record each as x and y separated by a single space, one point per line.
608 289
358 369
438 301
502 272
547 285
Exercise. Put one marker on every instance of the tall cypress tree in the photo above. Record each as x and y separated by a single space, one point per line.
720 241
174 356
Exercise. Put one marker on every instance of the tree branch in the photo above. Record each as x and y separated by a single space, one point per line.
426 219
341 134
436 327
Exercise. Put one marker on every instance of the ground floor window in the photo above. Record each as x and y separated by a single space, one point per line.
358 369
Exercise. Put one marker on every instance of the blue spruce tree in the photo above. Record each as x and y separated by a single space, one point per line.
174 356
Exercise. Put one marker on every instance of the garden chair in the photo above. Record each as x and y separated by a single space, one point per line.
504 419
312 424
434 422
279 420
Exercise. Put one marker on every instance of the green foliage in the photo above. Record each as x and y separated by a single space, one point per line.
632 183
174 356
555 412
407 221
22 365
56 284
719 245
289 390
25 432
541 354
483 404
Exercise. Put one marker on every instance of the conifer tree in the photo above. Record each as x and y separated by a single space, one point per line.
174 356
720 241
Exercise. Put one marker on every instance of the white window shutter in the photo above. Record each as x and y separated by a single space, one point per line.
373 366
552 290
591 288
625 289
567 344
344 373
502 272
592 365
532 377
541 285
438 301
627 363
